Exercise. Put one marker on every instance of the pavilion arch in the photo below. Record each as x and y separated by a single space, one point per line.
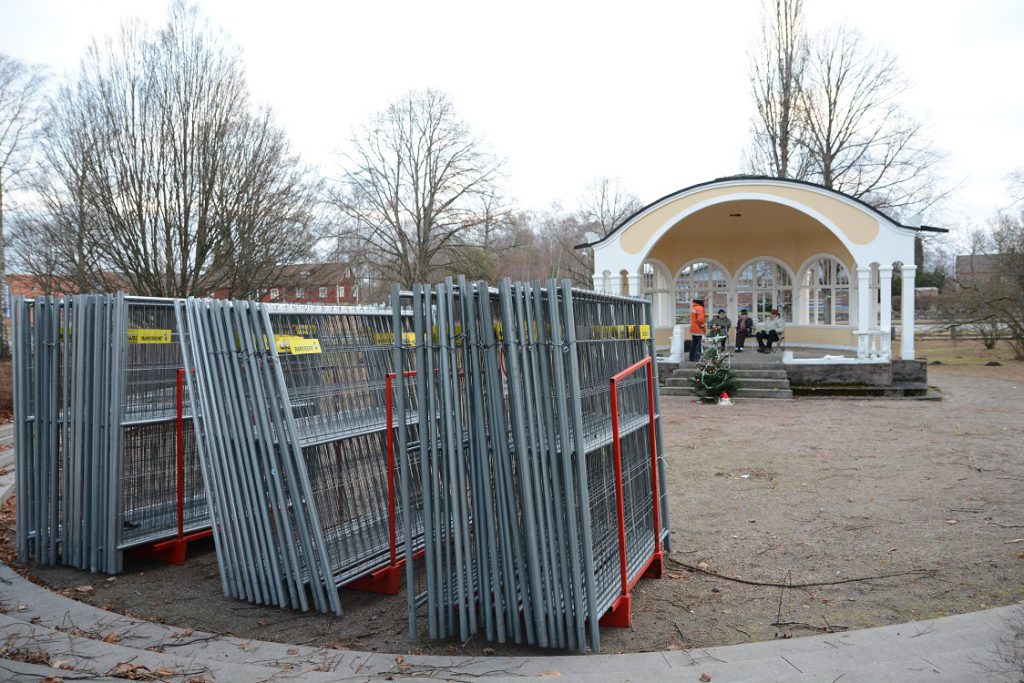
733 222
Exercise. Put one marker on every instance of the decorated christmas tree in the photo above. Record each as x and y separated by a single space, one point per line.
714 374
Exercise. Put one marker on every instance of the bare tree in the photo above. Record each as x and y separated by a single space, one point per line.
828 111
605 204
416 190
20 90
1016 186
857 137
777 73
159 176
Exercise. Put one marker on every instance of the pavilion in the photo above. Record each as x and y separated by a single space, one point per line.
822 258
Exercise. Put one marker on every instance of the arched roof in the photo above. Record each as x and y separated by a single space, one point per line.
755 179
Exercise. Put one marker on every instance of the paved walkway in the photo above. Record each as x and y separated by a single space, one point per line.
82 640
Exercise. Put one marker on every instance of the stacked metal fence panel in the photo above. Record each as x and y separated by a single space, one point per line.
290 406
99 450
158 501
68 392
522 513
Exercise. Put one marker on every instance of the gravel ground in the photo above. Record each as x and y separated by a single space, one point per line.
788 492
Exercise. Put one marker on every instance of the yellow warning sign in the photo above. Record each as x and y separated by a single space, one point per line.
287 343
138 335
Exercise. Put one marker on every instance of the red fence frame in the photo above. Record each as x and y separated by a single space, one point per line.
387 580
619 614
174 550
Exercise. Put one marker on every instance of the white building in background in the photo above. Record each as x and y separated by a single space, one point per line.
823 259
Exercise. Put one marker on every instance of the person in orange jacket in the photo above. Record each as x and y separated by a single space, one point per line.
697 322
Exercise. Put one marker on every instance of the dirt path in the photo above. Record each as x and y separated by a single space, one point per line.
803 491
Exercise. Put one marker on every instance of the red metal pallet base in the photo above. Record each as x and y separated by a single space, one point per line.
386 581
171 551
619 615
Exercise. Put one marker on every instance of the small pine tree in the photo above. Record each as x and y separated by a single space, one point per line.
714 374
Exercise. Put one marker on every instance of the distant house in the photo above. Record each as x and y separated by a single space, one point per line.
331 284
977 268
31 286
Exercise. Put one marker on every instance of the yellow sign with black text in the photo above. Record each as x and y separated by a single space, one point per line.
138 335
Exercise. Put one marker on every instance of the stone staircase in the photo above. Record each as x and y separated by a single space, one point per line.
758 379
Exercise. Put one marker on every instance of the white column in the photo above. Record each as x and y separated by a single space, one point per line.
801 304
598 282
874 297
863 311
733 308
907 301
885 289
634 284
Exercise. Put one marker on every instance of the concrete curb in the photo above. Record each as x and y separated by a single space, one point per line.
957 648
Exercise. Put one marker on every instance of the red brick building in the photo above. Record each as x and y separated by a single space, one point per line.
331 284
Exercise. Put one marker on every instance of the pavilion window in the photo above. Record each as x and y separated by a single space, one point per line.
701 280
827 284
765 285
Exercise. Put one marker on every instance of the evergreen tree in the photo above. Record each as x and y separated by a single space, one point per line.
714 374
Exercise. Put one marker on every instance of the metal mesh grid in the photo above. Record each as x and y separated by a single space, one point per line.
150 500
291 419
516 416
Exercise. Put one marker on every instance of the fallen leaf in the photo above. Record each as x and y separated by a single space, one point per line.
677 645
292 651
950 521
704 678
84 589
702 565
244 646
550 673
112 637
164 673
488 651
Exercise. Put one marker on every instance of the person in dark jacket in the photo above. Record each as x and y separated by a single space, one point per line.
744 329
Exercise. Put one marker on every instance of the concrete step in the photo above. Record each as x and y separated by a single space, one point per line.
772 374
764 383
754 365
743 392
740 371
749 382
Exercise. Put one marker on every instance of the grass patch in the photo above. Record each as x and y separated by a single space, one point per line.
965 352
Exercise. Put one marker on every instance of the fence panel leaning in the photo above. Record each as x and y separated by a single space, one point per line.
292 431
543 487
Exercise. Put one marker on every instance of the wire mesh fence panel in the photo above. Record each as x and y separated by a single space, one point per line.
538 471
292 423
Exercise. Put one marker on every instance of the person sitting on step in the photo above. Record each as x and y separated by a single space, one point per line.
771 331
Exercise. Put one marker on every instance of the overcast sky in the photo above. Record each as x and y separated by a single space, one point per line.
656 94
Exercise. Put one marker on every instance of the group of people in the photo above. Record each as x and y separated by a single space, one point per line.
719 325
